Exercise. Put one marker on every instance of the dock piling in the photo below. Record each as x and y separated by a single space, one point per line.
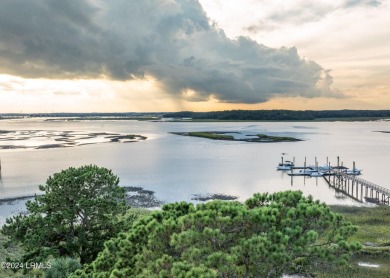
349 184
345 182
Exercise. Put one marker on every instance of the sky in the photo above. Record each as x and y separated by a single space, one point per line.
199 55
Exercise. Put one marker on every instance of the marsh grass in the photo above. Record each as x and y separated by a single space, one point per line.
356 271
374 233
211 135
276 138
373 223
260 137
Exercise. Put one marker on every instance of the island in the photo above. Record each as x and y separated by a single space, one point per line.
229 136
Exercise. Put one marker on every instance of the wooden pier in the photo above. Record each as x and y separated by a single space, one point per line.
343 180
358 188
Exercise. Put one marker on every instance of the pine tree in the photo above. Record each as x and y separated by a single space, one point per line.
73 218
269 235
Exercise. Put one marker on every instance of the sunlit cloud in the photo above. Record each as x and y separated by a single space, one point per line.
347 36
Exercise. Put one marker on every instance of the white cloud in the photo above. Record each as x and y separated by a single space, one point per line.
351 37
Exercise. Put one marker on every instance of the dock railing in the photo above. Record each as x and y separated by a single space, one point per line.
366 183
343 183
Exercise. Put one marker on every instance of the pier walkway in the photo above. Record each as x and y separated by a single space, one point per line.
358 188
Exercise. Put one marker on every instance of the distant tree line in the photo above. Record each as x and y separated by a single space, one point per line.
93 114
256 115
280 115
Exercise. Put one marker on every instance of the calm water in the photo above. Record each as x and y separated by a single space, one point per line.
175 167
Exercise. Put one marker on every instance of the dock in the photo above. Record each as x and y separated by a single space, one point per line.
358 188
344 181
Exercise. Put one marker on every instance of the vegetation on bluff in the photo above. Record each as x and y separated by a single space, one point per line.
267 236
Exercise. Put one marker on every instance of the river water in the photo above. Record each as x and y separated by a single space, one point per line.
176 167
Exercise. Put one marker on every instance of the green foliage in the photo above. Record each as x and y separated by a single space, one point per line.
12 252
9 250
267 236
62 267
74 217
126 221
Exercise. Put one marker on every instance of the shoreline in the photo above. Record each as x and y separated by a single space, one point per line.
12 199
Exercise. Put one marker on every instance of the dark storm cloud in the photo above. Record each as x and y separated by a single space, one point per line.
171 40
